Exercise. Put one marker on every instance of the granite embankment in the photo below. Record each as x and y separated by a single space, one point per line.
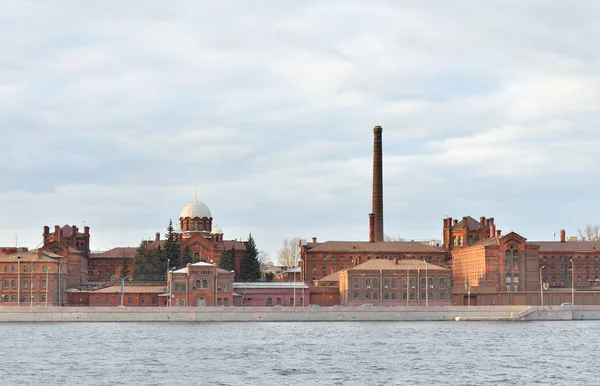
290 314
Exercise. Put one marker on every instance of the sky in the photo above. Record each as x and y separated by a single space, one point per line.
113 114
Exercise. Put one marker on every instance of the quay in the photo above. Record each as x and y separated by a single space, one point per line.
299 314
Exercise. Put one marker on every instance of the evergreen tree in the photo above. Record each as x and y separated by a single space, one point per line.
124 267
187 256
250 264
171 247
227 261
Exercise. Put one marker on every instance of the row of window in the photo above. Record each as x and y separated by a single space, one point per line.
129 301
279 303
579 279
24 299
199 284
374 282
459 240
394 296
511 259
511 278
25 283
26 268
404 257
567 258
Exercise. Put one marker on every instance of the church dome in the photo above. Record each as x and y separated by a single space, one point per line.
195 209
216 230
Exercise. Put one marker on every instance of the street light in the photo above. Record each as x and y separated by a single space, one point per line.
572 282
47 272
541 287
18 281
31 285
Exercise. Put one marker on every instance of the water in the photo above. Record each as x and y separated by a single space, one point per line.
431 353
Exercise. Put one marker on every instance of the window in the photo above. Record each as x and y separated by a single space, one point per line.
107 301
423 282
386 283
182 287
33 284
269 301
507 288
25 268
386 296
97 300
144 300
430 295
225 301
442 282
177 302
324 270
355 283
368 283
412 281
13 283
375 283
355 295
32 300
507 259
13 269
403 295
43 283
198 284
507 278
32 268
154 301
176 287
278 301
13 299
5 283
196 256
515 259
291 301
367 296
375 296
393 282
25 284
430 282
423 296
6 268
412 296
393 296
442 296
516 278
516 288
43 298
204 284
129 301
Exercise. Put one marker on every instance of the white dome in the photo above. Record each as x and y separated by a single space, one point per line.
195 209
216 230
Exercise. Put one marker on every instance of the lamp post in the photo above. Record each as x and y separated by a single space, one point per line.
18 281
572 282
407 287
31 285
541 287
47 272
426 286
169 281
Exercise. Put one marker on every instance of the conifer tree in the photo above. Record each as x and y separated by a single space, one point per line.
171 247
250 264
187 256
124 267
227 261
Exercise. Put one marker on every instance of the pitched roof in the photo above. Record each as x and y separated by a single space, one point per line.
117 252
201 264
578 246
331 277
471 224
271 284
229 244
130 289
376 247
29 256
399 265
67 231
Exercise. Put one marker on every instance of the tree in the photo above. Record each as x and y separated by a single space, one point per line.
263 258
227 260
187 256
171 247
150 263
124 267
590 232
269 276
289 254
393 238
250 265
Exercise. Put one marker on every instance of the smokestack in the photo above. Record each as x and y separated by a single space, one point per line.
371 227
314 240
492 231
563 236
377 184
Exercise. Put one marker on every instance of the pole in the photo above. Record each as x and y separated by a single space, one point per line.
18 281
407 286
47 271
294 273
426 287
572 282
216 285
31 286
541 287
169 281
122 290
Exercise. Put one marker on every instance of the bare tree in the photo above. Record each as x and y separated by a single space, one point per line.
263 258
392 238
289 254
590 232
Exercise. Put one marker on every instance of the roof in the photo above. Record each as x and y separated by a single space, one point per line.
67 231
331 277
130 289
29 256
471 224
291 270
376 247
578 246
400 265
201 264
195 209
271 284
117 252
230 244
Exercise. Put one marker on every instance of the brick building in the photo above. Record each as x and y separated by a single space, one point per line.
73 245
200 285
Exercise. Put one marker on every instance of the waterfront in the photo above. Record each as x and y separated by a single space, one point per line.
465 353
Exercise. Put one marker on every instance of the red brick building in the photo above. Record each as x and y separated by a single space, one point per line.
200 285
73 245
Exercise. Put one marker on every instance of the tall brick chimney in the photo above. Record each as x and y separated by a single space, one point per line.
563 236
377 184
371 227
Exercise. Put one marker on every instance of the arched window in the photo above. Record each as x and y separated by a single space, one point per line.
368 283
374 295
355 283
516 259
386 296
507 259
393 296
355 295
516 278
187 225
177 287
470 239
367 296
196 225
508 278
454 240
459 240
196 256
198 284
204 284
394 282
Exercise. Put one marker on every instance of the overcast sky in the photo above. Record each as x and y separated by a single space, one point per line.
114 113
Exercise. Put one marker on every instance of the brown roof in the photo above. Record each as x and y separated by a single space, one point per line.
380 246
568 246
28 256
332 277
67 231
229 244
131 289
117 252
400 265
471 224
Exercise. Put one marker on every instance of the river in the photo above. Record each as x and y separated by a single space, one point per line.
392 353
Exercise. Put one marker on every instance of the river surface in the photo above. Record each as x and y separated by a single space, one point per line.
392 353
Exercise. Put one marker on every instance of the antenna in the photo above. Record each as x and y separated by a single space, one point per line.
196 194
17 241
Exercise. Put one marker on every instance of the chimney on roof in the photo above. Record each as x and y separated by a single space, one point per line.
377 183
46 230
157 236
498 233
492 231
371 227
464 221
86 230
454 222
492 221
482 221
74 229
314 240
563 236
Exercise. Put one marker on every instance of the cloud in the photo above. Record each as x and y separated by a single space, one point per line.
114 114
